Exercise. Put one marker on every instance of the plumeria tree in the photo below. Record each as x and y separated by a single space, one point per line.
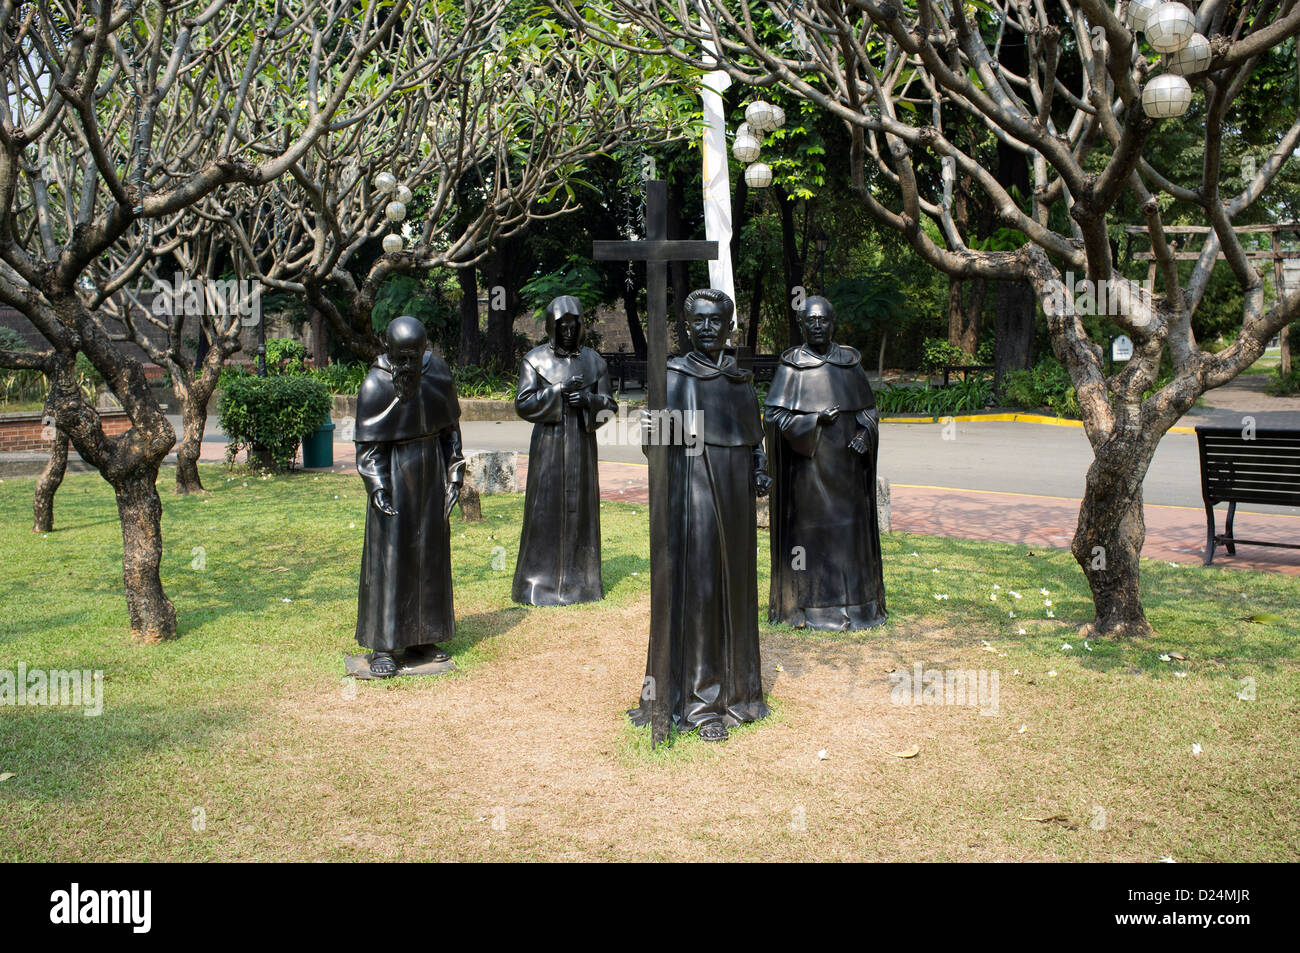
498 114
1092 94
120 117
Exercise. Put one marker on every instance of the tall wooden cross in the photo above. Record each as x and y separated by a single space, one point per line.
657 251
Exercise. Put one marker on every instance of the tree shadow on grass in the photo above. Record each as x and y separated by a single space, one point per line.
60 754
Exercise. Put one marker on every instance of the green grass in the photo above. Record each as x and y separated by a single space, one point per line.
263 573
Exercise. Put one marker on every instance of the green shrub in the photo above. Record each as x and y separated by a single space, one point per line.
270 415
341 378
485 382
1284 385
285 356
959 397
11 340
1045 385
937 353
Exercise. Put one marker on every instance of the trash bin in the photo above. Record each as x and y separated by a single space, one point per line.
318 447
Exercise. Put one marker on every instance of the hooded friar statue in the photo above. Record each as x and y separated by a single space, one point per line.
564 391
822 438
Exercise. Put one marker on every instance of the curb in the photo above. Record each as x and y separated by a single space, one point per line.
1006 418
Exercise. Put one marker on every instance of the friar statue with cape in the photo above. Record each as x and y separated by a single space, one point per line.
564 392
409 456
716 468
823 436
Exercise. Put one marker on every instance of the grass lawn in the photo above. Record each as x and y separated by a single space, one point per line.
242 740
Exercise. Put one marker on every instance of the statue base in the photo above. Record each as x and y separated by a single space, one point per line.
358 666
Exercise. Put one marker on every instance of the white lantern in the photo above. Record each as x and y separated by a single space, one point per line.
744 130
1169 27
746 148
1192 58
778 117
1138 11
760 116
385 182
403 194
392 243
758 175
1165 96
396 211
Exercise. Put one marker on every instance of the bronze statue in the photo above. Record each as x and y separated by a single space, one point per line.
564 391
823 435
409 456
716 468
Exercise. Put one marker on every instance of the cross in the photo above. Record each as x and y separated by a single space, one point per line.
657 251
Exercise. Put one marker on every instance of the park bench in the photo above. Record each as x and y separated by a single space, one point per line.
965 369
623 368
1244 466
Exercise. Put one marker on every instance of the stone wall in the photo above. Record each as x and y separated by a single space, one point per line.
27 431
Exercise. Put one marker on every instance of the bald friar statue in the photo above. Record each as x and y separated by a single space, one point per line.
822 438
409 456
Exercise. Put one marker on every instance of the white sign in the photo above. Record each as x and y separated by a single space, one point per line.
1121 349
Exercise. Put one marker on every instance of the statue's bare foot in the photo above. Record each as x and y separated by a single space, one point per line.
382 665
713 731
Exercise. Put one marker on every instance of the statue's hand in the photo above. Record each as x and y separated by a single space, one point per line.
859 442
762 482
381 502
827 416
575 398
573 384
453 494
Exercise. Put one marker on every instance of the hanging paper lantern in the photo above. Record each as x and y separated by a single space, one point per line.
1170 27
1166 96
403 194
758 175
392 243
396 211
746 148
1138 11
1192 58
385 182
778 117
744 130
761 116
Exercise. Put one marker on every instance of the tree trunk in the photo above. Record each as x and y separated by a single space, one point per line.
49 481
755 312
1284 342
880 368
193 398
964 317
1108 540
469 352
634 328
152 615
320 352
793 265
1014 329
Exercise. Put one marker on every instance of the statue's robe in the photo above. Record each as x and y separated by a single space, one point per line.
559 546
412 450
715 444
826 571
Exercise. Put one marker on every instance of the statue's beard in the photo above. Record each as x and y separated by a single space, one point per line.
404 382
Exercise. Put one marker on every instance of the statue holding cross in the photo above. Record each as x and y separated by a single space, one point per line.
706 468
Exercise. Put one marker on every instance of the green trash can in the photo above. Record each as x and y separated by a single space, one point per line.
318 447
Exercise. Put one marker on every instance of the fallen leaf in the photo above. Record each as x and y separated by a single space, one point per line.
280 569
7 775
911 752
1178 655
821 755
1263 618
1062 819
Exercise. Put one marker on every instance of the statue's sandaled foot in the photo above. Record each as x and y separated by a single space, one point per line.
423 654
713 731
382 665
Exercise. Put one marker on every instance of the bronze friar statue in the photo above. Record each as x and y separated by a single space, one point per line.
822 437
716 469
564 391
409 456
